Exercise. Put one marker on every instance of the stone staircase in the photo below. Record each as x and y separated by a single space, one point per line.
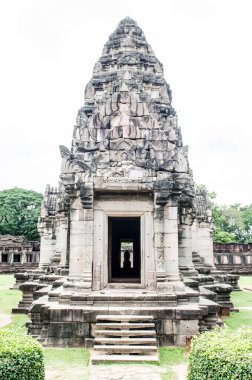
125 338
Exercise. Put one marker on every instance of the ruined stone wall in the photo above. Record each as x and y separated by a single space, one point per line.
233 257
18 254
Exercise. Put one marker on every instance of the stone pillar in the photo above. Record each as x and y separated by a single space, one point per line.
159 239
81 242
89 246
205 243
22 257
171 242
62 237
194 236
47 242
185 243
166 245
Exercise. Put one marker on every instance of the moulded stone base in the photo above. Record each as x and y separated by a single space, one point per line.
73 323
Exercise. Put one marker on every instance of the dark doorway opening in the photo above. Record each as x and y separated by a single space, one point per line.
124 249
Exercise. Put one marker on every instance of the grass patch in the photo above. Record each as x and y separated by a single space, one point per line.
66 363
62 358
237 320
8 298
242 298
17 324
6 280
245 281
172 355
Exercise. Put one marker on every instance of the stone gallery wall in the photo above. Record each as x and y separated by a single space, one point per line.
18 254
233 257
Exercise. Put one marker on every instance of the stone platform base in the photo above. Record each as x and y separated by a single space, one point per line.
69 318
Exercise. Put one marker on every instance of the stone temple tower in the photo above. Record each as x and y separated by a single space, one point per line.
120 230
127 171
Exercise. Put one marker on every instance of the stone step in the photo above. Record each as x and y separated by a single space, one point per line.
96 359
126 341
125 325
126 332
126 349
131 318
125 338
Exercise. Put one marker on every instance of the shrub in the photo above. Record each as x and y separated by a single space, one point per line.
221 354
21 357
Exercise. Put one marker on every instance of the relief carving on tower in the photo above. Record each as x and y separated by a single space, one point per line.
127 130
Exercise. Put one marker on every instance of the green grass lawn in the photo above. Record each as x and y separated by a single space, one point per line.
66 363
170 356
245 281
66 357
241 319
9 298
241 299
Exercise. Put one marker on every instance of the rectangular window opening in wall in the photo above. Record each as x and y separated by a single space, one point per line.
4 258
16 258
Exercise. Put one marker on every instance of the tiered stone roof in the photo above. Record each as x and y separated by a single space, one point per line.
127 129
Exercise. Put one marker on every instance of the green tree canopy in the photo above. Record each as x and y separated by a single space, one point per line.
235 221
19 211
233 224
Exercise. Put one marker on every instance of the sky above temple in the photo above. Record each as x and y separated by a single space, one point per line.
48 51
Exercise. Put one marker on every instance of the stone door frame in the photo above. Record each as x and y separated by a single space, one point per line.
103 210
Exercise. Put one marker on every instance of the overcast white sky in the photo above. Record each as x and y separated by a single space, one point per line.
48 50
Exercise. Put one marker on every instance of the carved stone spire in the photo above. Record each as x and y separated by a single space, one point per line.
128 121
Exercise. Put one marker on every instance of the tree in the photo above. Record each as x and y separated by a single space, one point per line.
233 224
223 237
19 211
235 221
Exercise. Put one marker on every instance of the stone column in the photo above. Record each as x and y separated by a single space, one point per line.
205 243
194 236
81 242
185 243
89 246
166 245
62 240
47 242
171 242
22 257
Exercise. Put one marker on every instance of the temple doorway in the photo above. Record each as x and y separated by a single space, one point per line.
124 249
